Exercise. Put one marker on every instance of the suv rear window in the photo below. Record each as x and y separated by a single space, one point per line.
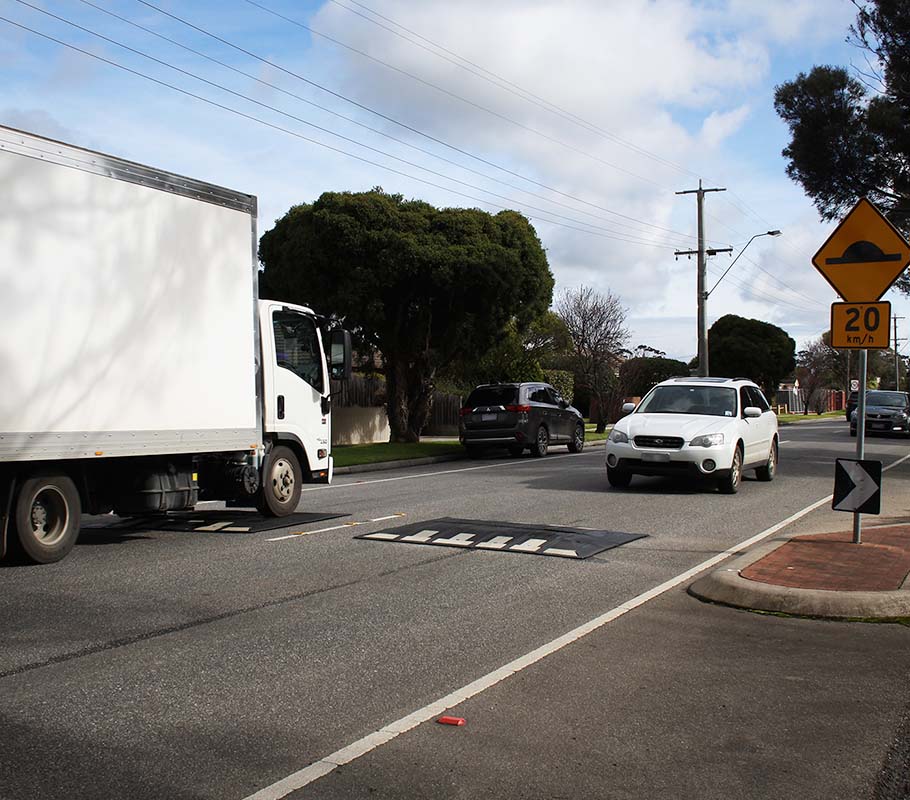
493 396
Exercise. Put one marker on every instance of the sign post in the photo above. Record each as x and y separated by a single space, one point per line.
861 259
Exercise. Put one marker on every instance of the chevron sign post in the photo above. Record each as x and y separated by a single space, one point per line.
857 486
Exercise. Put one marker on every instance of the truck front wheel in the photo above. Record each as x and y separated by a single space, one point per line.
48 514
281 484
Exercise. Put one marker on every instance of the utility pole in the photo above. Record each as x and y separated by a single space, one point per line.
897 366
702 295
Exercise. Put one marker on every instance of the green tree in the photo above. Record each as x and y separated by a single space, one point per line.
750 348
849 134
638 374
519 354
424 287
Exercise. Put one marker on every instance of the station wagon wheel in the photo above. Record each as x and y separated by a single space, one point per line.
769 470
578 439
729 483
541 443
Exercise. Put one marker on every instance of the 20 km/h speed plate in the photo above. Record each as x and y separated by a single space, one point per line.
860 326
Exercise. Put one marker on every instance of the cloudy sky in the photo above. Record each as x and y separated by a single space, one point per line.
586 116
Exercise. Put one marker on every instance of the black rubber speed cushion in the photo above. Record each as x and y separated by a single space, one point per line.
506 537
225 521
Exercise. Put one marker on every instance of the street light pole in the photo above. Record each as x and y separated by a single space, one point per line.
766 233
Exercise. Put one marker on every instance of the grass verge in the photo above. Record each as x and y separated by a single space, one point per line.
808 417
349 455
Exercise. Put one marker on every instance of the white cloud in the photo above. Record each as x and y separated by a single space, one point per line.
720 125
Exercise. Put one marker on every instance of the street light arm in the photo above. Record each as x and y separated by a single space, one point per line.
766 233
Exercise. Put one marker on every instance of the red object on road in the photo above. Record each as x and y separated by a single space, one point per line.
451 720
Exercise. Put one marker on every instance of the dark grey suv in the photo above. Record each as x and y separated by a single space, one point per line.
520 416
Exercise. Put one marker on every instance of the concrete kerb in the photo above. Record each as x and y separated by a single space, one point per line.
727 587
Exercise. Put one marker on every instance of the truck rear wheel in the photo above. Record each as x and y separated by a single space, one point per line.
281 484
47 517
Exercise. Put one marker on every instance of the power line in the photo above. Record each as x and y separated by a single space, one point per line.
296 134
323 129
501 82
403 124
443 90
624 232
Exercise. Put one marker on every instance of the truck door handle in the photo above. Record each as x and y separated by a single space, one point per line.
281 406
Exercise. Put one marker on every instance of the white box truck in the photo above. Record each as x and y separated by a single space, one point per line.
140 370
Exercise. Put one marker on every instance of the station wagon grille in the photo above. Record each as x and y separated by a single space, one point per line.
663 442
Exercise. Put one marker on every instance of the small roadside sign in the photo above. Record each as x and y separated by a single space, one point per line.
857 486
854 386
864 255
858 326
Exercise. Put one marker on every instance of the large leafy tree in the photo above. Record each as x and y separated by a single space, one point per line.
749 348
519 354
423 286
848 133
639 373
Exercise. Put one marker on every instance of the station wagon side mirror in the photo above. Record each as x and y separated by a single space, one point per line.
628 408
751 411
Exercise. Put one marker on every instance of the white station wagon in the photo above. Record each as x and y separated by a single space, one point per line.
708 427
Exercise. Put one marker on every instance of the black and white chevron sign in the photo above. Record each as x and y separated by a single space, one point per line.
857 486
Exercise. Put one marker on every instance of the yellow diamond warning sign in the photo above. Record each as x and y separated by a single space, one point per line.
864 255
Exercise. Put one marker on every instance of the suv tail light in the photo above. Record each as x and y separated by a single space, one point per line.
519 409
464 411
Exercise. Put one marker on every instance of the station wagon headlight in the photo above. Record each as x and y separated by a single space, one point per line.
708 440
618 436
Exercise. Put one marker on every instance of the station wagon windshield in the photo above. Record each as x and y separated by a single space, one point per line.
713 401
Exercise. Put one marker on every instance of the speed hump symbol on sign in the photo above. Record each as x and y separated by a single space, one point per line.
864 255
860 326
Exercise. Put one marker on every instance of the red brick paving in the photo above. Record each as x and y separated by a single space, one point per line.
832 561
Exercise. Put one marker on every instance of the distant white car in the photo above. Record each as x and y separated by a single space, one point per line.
707 427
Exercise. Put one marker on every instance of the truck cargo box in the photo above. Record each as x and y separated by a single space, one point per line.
127 308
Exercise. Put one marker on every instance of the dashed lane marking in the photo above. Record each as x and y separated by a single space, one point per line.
298 534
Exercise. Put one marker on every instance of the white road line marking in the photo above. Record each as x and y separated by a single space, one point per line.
422 536
496 543
309 533
318 769
530 546
237 530
345 755
388 536
511 464
556 551
215 526
298 534
458 540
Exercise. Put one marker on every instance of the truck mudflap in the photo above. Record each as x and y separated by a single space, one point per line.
7 492
323 475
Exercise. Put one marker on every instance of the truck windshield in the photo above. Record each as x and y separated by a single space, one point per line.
713 401
297 346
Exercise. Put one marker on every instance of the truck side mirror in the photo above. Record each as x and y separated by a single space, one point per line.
340 355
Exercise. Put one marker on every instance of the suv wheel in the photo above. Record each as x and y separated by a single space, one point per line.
541 443
578 439
729 483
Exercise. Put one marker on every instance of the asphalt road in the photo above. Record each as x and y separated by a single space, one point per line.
215 665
